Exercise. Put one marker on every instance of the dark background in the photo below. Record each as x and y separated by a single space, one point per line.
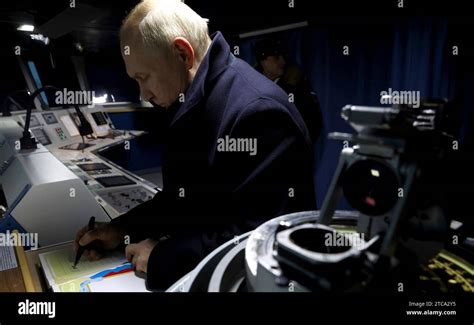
390 47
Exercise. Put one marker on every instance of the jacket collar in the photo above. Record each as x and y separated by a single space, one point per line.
216 60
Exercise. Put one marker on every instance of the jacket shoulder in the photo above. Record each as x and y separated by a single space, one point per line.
241 87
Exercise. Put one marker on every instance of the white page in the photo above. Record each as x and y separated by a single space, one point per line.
126 282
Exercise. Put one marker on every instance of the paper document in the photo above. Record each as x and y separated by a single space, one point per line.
109 274
7 258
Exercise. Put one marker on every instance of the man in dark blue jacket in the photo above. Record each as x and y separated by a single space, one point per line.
237 152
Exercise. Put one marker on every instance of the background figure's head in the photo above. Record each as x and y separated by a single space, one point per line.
270 57
162 43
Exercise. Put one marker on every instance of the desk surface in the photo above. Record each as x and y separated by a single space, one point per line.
12 281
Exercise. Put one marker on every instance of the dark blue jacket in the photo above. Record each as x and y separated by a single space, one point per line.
210 195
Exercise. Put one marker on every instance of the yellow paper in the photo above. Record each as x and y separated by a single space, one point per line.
63 277
61 262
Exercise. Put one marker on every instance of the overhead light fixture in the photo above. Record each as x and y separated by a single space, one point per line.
26 28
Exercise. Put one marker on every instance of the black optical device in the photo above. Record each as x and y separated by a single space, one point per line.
385 172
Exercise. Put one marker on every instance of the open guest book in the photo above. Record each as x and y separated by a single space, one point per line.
112 273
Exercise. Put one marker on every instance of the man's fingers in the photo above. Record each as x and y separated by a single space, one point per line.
131 254
130 250
94 255
141 265
79 235
89 237
135 261
87 252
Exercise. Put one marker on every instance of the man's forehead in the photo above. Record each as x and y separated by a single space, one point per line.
133 64
130 33
139 62
131 48
131 43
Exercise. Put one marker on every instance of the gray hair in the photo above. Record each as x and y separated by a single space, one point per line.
159 22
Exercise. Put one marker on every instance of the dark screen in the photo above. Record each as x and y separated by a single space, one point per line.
94 166
114 181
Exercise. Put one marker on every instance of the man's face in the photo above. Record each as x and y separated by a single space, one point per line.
273 66
161 79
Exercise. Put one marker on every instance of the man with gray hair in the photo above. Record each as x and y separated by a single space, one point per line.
209 195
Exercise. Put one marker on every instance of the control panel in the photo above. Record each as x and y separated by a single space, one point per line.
61 126
115 189
126 199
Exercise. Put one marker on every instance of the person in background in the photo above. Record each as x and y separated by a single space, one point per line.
272 62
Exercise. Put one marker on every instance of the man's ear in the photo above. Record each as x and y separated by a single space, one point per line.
185 51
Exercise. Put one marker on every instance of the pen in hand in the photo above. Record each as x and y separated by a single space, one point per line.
81 249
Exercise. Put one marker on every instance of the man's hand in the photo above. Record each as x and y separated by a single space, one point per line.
104 235
139 254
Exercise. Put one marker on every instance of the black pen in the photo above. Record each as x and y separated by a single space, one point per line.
81 249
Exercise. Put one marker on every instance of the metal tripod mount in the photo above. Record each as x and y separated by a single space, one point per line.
376 176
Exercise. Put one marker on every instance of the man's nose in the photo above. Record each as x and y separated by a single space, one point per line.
145 93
